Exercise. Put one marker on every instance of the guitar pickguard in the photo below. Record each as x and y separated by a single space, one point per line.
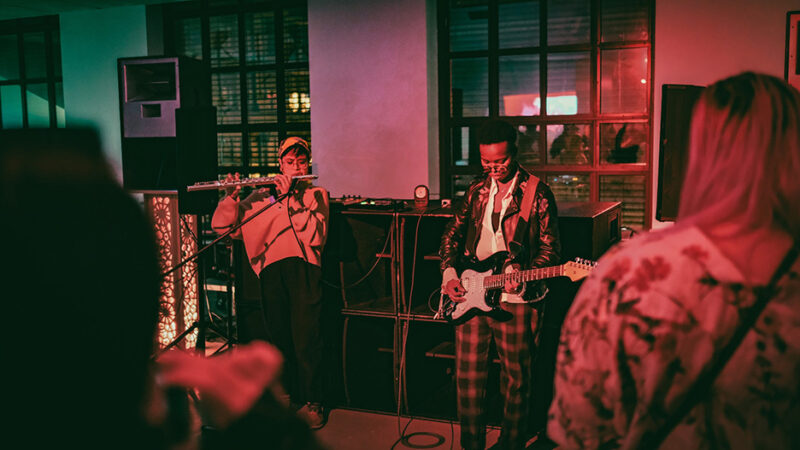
475 296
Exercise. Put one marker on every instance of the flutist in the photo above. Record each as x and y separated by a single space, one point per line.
284 245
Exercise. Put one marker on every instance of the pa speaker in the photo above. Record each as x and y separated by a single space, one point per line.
677 103
173 163
168 128
152 89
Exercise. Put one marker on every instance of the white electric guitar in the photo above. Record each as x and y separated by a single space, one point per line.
483 288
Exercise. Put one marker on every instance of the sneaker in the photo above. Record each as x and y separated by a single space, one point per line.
313 414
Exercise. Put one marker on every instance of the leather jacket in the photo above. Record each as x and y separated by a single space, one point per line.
541 246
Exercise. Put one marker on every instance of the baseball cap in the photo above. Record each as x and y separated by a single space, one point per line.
290 142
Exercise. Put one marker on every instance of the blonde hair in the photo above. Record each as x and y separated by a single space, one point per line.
744 155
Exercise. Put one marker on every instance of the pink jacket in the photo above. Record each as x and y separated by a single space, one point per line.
269 237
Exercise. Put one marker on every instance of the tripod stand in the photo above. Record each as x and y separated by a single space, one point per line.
200 324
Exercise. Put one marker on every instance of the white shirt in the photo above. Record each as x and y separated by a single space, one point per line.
492 241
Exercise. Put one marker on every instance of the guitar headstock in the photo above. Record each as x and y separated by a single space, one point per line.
578 269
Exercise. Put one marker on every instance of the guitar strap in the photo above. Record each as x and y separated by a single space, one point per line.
515 245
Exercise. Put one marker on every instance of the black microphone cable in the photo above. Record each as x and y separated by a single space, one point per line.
371 269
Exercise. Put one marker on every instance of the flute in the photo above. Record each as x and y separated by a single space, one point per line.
261 181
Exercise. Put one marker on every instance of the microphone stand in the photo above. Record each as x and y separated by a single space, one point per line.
229 310
200 324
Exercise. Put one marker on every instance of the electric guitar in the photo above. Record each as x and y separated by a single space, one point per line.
483 288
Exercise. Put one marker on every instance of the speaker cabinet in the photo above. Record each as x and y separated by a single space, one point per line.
151 89
677 103
173 163
168 128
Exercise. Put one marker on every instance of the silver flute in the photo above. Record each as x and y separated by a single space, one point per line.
261 181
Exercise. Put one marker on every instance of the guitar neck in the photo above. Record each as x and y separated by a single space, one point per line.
499 281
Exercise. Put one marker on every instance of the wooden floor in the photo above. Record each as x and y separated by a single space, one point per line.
360 430
350 429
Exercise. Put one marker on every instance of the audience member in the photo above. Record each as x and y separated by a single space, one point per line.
690 337
570 147
82 286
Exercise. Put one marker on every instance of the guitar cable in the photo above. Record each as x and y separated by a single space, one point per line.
404 438
371 269
430 307
305 255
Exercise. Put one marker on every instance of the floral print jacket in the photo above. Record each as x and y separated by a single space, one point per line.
646 322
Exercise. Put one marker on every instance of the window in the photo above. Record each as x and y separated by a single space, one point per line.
573 76
31 93
257 53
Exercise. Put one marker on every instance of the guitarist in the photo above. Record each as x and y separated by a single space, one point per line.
486 223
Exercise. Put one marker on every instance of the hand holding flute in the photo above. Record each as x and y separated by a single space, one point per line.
282 183
232 181
232 186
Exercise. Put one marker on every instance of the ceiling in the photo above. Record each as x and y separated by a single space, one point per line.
15 9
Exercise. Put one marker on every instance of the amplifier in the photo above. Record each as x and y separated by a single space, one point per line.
588 229
216 291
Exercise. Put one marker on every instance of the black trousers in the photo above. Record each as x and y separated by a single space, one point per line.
291 296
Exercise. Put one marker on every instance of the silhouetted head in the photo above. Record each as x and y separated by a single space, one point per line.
83 284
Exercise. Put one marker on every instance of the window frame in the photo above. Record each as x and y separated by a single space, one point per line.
595 118
205 10
50 26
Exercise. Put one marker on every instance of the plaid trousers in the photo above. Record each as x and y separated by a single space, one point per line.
515 340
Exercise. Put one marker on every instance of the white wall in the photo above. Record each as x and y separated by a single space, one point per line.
91 42
369 96
700 41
